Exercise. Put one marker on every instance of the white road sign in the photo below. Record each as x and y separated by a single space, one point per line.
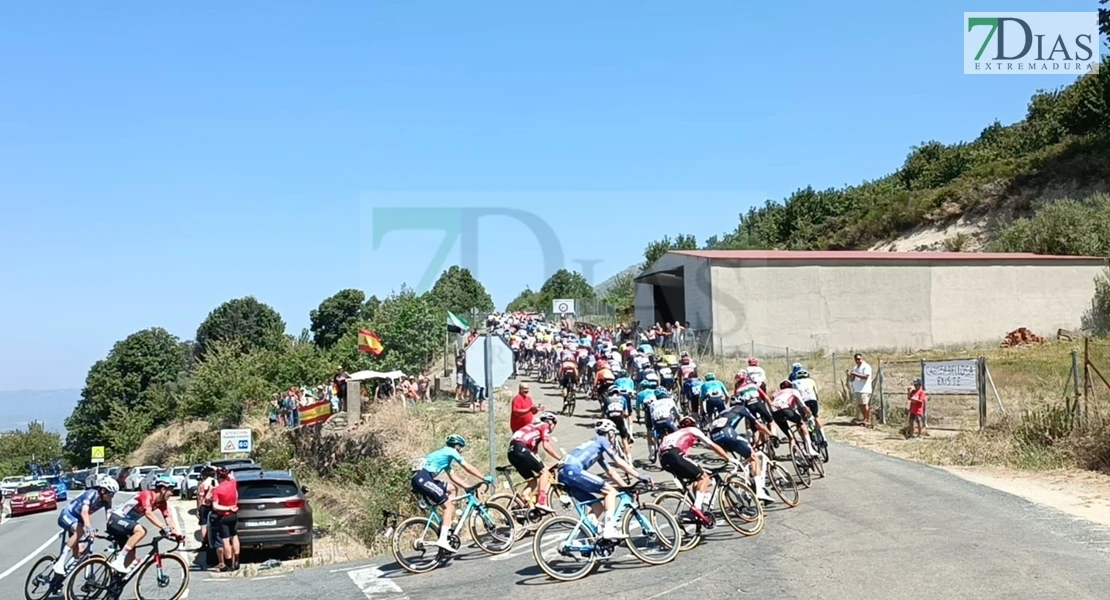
235 440
952 377
502 361
563 306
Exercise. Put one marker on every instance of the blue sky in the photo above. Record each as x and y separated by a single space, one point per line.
158 159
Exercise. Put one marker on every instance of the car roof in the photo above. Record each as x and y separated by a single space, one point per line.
266 476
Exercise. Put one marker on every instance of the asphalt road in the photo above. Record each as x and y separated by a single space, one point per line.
876 527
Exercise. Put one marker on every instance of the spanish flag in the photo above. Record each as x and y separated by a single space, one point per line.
369 342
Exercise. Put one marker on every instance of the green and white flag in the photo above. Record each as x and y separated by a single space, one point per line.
456 323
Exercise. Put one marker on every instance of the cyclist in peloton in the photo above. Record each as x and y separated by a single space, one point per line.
756 374
123 522
672 457
756 400
436 491
624 383
691 392
76 517
583 486
687 369
723 432
568 375
644 398
524 456
787 407
713 396
617 409
664 417
807 388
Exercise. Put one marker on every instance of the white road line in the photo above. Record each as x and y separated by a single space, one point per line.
527 550
53 539
368 581
345 569
267 577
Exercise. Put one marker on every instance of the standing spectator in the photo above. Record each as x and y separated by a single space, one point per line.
424 387
679 336
917 398
275 410
340 383
205 487
460 375
225 505
860 376
523 409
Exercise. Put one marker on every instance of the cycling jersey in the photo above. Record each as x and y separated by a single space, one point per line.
666 373
141 504
749 393
757 375
807 388
88 498
645 397
596 450
625 384
569 366
713 388
532 435
784 399
604 374
689 370
663 409
440 460
730 419
682 440
616 406
691 388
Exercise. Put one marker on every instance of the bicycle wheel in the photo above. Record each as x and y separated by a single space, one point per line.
491 527
801 467
742 510
418 534
817 465
654 539
678 505
823 447
784 485
91 580
172 575
564 541
522 514
41 582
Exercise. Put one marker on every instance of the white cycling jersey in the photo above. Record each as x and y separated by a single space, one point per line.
663 409
757 375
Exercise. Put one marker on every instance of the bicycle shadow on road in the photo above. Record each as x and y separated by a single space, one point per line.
534 576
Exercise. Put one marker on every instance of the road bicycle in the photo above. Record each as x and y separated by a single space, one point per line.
737 504
107 584
522 504
818 439
569 394
804 464
42 582
578 540
420 533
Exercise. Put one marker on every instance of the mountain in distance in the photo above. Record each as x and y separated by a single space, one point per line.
20 407
603 287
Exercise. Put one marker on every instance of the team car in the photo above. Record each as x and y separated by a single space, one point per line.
33 496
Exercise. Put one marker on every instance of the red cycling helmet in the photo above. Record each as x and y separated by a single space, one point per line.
753 362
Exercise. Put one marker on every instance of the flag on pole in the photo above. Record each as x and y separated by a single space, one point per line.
369 342
456 324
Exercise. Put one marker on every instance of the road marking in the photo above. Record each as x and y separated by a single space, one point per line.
527 550
267 577
345 569
51 540
368 581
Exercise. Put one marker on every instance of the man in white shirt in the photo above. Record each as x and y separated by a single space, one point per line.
860 378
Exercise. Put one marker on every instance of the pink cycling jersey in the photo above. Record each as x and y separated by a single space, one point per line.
532 435
784 399
683 440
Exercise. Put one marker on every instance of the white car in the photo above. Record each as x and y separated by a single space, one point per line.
135 477
179 474
9 485
148 479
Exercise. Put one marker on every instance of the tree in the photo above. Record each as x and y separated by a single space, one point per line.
131 382
18 449
225 383
1104 20
655 250
457 291
622 295
411 331
244 321
370 307
565 284
526 300
337 315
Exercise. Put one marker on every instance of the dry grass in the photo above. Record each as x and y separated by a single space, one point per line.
170 445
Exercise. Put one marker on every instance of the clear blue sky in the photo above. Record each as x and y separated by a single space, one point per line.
158 159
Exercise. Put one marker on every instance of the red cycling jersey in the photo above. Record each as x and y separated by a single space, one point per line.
141 504
683 439
531 435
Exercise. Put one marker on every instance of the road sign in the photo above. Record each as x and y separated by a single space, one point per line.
562 306
502 361
97 454
235 440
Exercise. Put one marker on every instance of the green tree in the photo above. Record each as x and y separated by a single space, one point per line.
411 331
458 291
622 295
245 321
1104 21
133 379
526 300
1067 227
19 448
655 250
370 307
562 284
337 315
225 382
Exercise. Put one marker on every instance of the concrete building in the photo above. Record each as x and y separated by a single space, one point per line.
847 300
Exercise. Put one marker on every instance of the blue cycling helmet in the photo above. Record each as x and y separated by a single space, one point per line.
456 440
710 376
662 393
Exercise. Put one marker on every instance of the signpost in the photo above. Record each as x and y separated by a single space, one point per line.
97 454
562 306
233 441
490 359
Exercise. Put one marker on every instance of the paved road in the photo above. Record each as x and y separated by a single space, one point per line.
877 527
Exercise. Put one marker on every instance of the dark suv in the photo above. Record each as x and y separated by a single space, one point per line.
273 511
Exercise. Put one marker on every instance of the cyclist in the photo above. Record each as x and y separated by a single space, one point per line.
756 400
723 432
667 375
617 409
624 383
524 456
691 393
713 395
756 374
124 526
807 388
644 398
787 407
664 416
603 379
76 517
568 375
672 457
794 370
686 367
436 491
583 486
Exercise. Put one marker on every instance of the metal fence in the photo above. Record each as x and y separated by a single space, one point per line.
950 406
596 312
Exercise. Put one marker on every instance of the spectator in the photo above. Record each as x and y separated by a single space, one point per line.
523 409
860 377
340 383
205 487
275 410
917 398
424 387
225 505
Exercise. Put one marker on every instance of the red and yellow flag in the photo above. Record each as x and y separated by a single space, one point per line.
369 342
315 413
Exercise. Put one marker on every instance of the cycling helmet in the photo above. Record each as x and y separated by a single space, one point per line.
786 384
686 421
741 376
620 373
107 484
547 417
710 376
753 362
662 393
651 383
456 440
684 354
796 367
803 374
605 427
164 481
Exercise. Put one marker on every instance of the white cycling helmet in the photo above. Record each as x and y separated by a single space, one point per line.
605 426
107 484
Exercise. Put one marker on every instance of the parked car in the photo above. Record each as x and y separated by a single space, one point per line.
178 474
61 490
75 480
192 482
122 475
33 496
9 485
274 511
148 479
136 475
230 462
94 473
237 470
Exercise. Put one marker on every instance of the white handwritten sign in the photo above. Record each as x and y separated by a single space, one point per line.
952 377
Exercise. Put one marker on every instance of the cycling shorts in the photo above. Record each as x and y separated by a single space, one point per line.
759 409
203 512
622 426
526 463
427 486
120 529
727 439
784 417
68 522
664 428
813 407
673 462
582 485
568 379
716 405
227 525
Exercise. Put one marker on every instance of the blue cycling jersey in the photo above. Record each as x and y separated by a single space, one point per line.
644 397
89 498
691 388
709 387
593 451
625 384
441 460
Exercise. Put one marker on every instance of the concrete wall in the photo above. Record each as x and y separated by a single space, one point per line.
645 304
697 279
903 305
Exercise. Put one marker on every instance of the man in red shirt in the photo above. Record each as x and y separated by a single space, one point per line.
523 409
917 398
225 504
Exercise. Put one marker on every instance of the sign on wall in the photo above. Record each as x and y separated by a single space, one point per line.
562 306
952 377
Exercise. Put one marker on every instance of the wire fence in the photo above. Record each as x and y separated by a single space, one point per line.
596 312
